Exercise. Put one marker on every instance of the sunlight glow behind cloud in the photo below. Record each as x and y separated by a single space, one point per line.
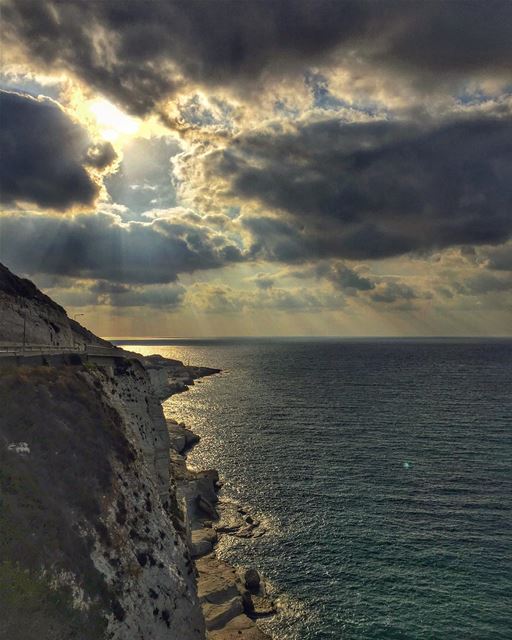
112 122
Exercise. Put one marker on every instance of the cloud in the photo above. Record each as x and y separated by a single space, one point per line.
100 247
100 155
140 52
263 281
45 155
369 190
391 291
168 297
360 286
221 298
349 280
500 258
484 282
74 292
143 181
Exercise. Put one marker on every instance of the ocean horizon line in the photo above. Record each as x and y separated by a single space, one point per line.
139 339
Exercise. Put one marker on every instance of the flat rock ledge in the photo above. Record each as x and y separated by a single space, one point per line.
227 603
231 598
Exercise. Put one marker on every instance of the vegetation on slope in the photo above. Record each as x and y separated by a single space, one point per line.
51 502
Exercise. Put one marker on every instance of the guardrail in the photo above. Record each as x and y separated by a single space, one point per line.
28 349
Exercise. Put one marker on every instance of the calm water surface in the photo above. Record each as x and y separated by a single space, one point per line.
383 470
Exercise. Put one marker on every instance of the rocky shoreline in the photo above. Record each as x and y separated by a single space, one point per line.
231 599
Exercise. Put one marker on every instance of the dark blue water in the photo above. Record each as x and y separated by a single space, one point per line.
383 470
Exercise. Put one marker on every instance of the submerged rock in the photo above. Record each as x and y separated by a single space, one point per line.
262 606
237 522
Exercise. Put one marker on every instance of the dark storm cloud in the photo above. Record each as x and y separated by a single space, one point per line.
140 51
348 279
374 189
44 154
97 247
286 241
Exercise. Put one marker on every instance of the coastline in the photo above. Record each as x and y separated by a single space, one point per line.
232 599
105 532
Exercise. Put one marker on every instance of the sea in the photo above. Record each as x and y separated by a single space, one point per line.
381 470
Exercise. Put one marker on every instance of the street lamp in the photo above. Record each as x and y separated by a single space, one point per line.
23 311
75 316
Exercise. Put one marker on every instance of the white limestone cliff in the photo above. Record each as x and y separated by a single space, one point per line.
151 567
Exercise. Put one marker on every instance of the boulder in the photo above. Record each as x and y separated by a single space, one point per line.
217 580
177 441
238 522
203 541
224 600
250 578
207 507
182 439
218 615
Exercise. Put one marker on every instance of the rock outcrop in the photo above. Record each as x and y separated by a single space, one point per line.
230 598
29 315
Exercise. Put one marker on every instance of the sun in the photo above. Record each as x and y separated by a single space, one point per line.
112 122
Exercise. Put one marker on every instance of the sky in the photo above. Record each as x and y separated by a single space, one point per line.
261 167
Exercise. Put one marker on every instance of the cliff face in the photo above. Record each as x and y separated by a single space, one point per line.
22 306
88 509
92 537
160 598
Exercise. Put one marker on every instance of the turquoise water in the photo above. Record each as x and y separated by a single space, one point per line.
383 471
